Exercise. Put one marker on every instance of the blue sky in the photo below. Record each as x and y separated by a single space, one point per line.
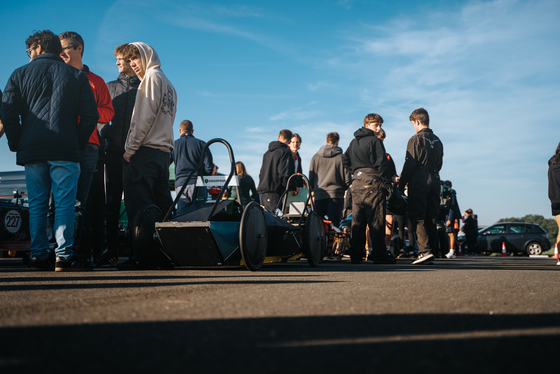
486 71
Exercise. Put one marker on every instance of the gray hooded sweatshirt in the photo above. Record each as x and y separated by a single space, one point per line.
327 176
152 120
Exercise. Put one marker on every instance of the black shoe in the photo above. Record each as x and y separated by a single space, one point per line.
356 261
72 264
131 264
37 264
108 258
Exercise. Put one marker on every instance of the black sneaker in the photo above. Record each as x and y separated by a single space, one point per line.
357 261
108 258
37 264
424 259
72 264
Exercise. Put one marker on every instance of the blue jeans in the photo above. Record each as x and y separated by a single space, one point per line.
62 178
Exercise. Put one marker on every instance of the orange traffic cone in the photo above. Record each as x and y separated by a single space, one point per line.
555 251
504 253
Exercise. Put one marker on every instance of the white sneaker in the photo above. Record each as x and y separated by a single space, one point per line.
451 254
424 259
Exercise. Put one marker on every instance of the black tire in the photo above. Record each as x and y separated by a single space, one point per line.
145 245
534 248
253 236
314 239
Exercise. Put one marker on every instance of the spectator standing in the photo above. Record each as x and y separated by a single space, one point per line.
277 167
123 94
452 222
58 114
371 180
389 219
295 145
329 179
186 155
470 228
554 189
424 159
246 185
149 143
72 54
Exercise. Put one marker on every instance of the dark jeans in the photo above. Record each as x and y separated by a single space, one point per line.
114 184
269 200
89 155
146 181
368 209
331 208
93 232
423 209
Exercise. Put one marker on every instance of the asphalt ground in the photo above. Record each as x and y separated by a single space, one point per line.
464 315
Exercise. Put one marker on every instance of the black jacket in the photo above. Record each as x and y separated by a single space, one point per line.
57 108
186 156
424 159
123 92
554 183
277 167
366 151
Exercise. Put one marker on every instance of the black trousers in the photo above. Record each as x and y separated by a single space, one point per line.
114 183
93 232
146 181
423 209
368 209
331 208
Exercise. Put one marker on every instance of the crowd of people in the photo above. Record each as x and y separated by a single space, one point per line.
84 144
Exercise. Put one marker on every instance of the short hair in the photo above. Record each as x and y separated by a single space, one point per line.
286 134
187 126
372 117
75 39
296 136
333 137
243 173
382 135
48 41
120 49
421 115
130 52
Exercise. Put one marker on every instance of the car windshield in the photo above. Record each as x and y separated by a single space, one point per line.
500 229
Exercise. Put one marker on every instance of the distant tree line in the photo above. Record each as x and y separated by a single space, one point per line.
548 224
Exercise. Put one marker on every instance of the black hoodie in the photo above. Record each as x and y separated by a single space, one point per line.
366 151
123 92
277 166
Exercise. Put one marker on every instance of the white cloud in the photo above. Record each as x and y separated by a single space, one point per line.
297 113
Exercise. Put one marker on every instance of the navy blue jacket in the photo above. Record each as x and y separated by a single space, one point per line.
186 155
57 109
123 92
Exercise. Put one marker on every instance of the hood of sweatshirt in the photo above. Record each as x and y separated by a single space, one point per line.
329 151
275 145
150 59
362 132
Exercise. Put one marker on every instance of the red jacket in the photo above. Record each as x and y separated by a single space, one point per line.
103 100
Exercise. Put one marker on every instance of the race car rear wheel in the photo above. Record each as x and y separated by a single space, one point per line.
145 245
253 236
314 239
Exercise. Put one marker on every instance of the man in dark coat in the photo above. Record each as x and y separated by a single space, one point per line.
58 114
123 93
186 155
277 167
424 159
371 179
